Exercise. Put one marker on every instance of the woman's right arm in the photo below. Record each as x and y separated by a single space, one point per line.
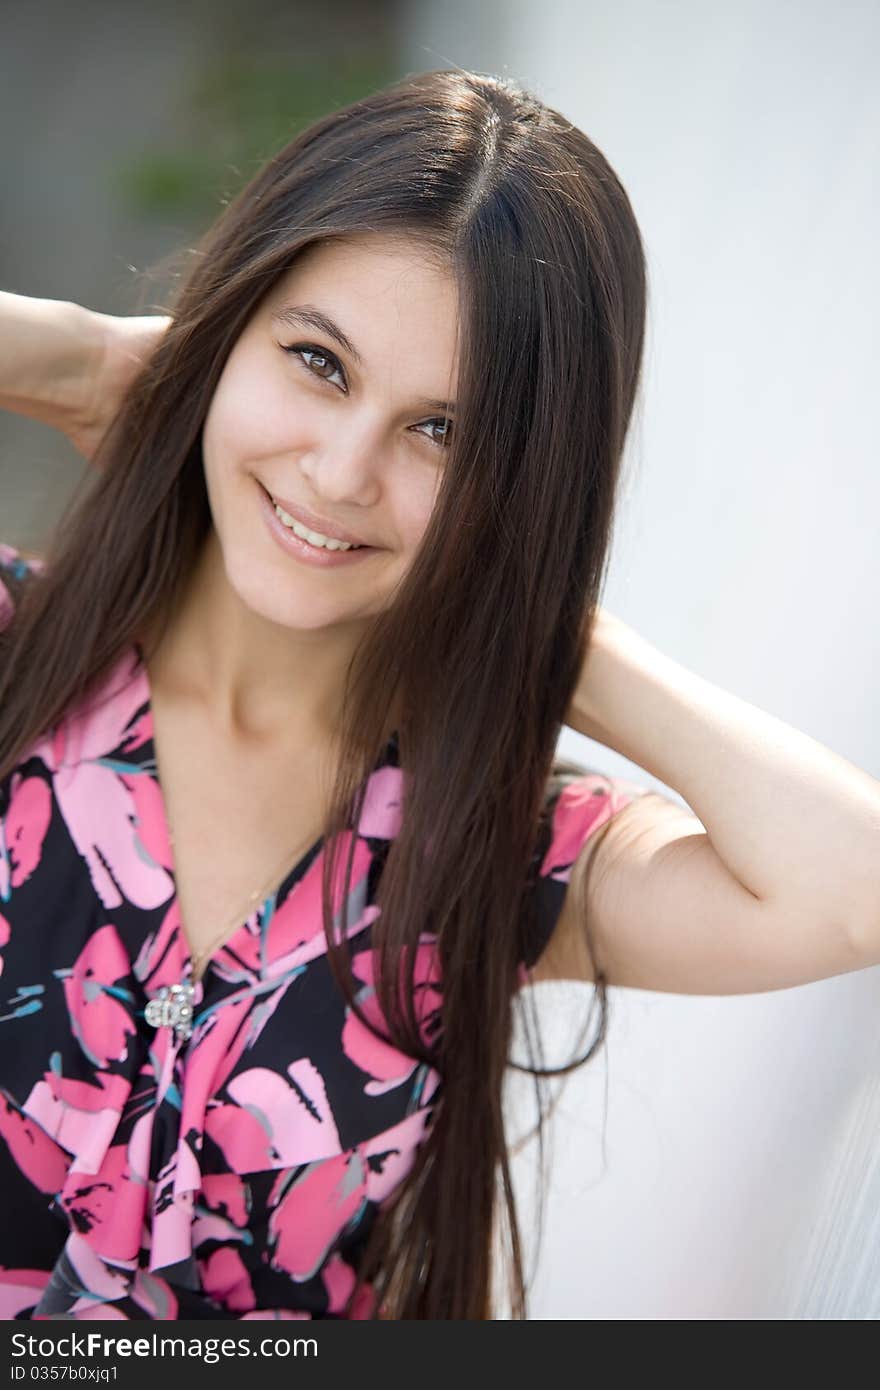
69 366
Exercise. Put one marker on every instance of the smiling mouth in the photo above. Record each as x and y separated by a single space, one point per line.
317 539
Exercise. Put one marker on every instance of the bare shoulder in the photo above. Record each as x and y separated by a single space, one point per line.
608 879
663 912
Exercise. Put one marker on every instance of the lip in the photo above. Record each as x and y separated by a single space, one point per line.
300 549
314 522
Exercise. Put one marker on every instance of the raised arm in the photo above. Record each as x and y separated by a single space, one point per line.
69 366
769 878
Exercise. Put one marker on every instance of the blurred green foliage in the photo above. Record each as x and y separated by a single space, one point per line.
239 111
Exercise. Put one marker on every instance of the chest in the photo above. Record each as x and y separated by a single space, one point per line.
240 816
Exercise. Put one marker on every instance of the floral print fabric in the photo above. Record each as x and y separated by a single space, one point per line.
236 1173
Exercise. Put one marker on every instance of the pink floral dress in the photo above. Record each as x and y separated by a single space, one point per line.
213 1149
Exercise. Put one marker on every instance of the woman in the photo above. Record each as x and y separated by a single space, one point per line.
282 828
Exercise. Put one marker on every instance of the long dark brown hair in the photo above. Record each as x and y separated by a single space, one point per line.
484 638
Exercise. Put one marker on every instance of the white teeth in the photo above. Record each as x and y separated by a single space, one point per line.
313 537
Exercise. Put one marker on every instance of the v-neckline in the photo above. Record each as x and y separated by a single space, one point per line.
290 876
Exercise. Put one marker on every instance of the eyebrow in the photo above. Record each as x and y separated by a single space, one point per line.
308 315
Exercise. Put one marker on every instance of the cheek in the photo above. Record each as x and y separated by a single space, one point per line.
224 431
414 507
248 421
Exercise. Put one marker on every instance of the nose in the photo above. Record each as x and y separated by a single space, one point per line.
343 463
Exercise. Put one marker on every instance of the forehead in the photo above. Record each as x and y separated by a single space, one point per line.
387 257
394 298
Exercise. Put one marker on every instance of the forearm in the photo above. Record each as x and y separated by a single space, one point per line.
793 821
49 355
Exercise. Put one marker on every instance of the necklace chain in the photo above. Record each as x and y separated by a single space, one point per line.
258 896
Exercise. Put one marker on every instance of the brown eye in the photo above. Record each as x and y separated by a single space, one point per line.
317 361
444 438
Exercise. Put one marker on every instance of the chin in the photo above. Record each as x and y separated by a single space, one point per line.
297 611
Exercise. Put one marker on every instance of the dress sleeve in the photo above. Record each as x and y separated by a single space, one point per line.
579 802
13 567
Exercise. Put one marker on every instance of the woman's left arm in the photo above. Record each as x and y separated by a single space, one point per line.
771 879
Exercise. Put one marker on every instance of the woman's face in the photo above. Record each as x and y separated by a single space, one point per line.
354 436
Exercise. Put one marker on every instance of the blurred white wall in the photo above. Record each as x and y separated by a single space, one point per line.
735 1173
